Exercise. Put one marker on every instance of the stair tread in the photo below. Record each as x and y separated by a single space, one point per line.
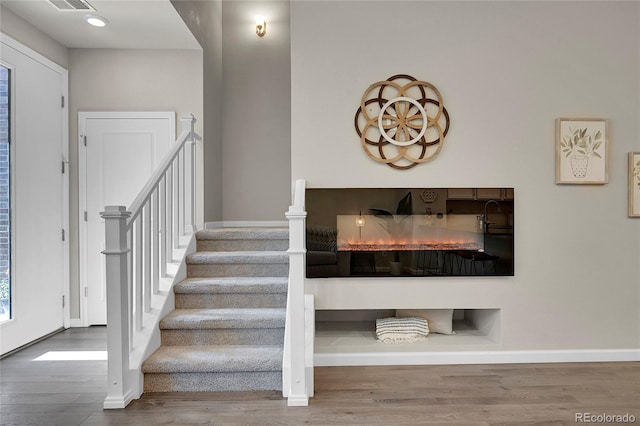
239 257
232 285
215 358
224 318
254 233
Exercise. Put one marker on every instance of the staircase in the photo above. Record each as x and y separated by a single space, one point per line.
227 331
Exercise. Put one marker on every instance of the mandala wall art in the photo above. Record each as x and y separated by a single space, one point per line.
402 122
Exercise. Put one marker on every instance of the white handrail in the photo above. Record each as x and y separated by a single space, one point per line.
139 243
297 383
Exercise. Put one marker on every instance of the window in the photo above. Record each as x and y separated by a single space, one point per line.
5 194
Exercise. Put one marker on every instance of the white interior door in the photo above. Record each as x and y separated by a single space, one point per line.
121 152
39 211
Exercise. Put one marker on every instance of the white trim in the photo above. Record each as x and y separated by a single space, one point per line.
12 192
475 357
64 74
83 116
13 43
115 403
171 115
66 275
245 224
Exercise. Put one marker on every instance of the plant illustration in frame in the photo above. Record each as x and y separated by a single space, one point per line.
581 151
634 184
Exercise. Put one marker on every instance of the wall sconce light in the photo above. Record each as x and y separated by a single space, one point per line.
261 25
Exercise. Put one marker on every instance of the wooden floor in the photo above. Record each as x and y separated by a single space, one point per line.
71 393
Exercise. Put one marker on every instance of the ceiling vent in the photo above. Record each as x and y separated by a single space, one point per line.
72 5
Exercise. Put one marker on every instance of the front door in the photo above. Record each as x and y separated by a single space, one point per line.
118 153
37 270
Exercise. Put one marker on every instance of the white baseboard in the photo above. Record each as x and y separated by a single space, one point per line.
117 402
475 357
245 224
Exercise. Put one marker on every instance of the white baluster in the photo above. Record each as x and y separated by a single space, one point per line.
147 256
138 285
130 286
191 226
188 122
182 190
155 225
176 202
169 234
162 224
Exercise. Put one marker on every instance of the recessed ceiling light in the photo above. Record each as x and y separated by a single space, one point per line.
96 21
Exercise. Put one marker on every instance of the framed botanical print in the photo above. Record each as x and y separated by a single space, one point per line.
582 147
634 184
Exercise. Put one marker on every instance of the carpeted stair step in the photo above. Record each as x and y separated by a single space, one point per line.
227 331
262 326
238 264
243 239
231 292
213 368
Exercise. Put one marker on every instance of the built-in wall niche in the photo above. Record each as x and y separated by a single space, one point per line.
343 332
356 232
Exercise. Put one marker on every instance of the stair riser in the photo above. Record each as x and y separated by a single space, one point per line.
243 245
220 301
211 382
246 336
238 270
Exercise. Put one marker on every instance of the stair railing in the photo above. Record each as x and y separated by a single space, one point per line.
139 244
297 367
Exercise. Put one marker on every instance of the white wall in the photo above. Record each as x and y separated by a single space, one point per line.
127 80
506 71
256 113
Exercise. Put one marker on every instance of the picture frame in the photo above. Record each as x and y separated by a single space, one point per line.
634 184
582 151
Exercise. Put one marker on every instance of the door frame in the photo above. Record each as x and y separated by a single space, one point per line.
83 116
64 162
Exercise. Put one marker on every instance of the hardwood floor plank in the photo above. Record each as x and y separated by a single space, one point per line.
72 407
62 419
72 393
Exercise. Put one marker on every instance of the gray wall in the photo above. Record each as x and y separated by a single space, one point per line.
506 71
247 108
17 28
126 80
204 19
256 113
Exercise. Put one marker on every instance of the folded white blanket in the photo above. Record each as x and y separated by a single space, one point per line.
401 330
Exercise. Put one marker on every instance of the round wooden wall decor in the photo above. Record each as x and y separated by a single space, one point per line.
402 122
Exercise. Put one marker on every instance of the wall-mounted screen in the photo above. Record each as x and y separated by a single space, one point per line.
372 232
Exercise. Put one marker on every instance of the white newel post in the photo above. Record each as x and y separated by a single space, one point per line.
119 392
297 395
188 122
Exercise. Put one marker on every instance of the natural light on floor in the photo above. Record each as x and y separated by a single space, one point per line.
73 356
